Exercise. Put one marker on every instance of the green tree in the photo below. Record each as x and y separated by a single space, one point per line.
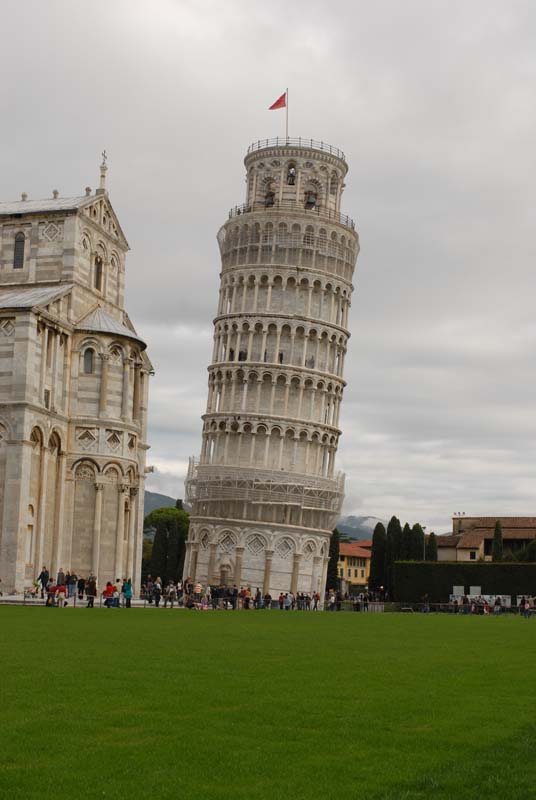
405 544
392 551
378 556
332 577
431 547
417 543
177 535
158 562
497 546
169 546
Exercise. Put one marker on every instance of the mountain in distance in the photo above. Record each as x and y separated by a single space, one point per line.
154 500
356 528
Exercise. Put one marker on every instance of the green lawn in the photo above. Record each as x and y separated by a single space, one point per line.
265 705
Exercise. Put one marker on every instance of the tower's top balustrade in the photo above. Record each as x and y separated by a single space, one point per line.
289 175
293 142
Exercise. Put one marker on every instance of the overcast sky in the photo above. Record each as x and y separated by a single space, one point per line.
434 106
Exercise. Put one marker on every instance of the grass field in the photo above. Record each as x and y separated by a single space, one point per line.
265 705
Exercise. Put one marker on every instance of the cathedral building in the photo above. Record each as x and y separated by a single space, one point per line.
73 393
265 493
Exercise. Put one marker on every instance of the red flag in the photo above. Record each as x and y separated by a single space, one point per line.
281 102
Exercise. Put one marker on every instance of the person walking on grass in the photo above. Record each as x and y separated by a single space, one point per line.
61 592
108 594
127 592
91 591
42 578
157 591
170 594
71 584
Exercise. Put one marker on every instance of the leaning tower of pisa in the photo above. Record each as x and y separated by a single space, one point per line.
265 493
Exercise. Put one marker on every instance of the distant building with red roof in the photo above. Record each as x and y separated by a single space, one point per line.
354 565
472 537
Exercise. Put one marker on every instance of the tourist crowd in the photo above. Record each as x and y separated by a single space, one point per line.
196 595
69 586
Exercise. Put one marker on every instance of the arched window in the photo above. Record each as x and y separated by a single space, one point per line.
310 198
334 183
18 256
89 361
98 273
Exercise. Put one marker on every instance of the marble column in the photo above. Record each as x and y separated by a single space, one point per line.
136 392
295 573
120 532
41 512
212 561
103 395
59 522
239 554
97 529
131 533
126 388
268 557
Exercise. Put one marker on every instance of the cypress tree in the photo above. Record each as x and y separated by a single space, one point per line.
431 548
158 565
417 543
405 544
497 547
392 551
177 535
378 557
332 576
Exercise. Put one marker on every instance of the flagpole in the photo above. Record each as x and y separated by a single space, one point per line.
286 109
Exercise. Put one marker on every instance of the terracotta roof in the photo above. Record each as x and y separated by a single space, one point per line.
450 540
471 541
489 522
353 549
367 543
508 533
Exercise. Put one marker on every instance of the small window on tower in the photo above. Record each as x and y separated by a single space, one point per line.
98 273
291 174
334 184
310 198
89 358
18 256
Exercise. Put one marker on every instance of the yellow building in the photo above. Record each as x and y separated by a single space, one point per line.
353 566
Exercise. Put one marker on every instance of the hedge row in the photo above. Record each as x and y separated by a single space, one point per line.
413 579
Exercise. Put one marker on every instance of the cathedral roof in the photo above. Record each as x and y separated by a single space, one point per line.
31 296
99 321
36 206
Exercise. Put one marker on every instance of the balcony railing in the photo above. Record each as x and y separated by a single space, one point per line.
292 205
252 478
311 144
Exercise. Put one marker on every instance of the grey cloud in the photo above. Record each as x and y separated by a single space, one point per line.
433 105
